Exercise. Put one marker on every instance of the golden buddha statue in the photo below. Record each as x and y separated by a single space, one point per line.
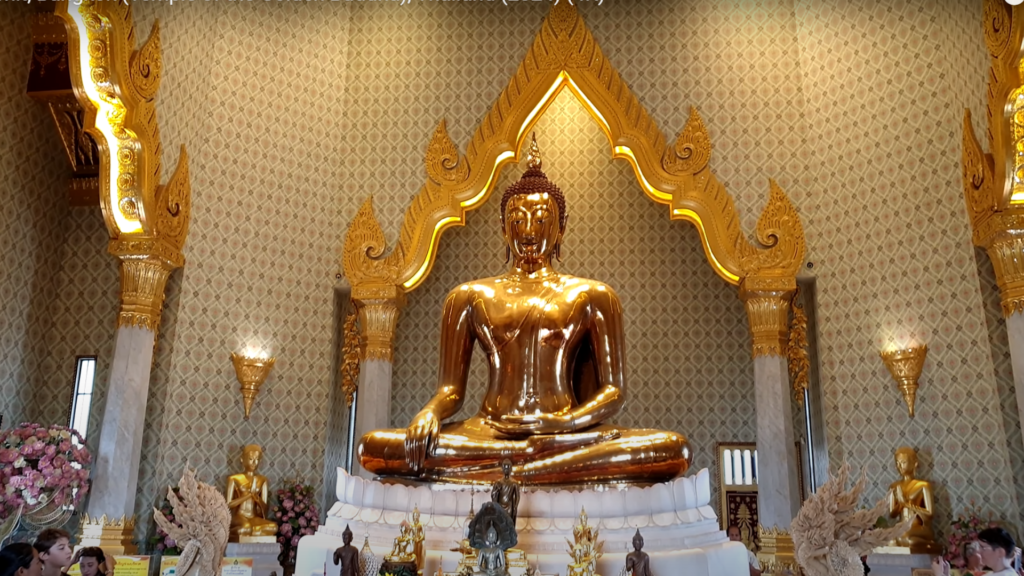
912 499
554 344
247 498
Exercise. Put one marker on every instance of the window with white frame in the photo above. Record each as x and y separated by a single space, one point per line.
85 375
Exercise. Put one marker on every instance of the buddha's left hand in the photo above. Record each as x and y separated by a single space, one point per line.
520 424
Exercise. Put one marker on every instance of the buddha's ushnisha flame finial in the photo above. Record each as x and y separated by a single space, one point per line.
533 160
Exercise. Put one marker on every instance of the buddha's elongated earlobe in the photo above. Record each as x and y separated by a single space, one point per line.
508 253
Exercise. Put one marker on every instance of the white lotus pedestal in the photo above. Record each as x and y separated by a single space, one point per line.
898 561
679 527
264 556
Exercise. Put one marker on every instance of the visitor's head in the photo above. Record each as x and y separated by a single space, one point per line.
251 456
972 555
533 215
54 547
906 460
997 548
20 559
734 534
90 559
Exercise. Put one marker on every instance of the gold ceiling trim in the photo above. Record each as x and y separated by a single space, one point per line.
565 55
116 86
994 182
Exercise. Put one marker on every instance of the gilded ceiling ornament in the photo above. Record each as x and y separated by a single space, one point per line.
905 366
116 86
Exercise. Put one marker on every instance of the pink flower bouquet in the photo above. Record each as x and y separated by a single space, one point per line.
296 516
961 531
42 464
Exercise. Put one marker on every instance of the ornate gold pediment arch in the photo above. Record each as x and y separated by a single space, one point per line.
565 55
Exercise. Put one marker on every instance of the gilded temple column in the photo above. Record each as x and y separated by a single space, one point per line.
115 472
767 302
379 308
1006 250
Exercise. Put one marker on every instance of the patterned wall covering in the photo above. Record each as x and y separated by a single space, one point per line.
33 176
688 359
885 86
293 112
259 113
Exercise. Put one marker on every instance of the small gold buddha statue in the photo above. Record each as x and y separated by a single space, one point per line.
555 347
416 530
404 549
247 498
912 499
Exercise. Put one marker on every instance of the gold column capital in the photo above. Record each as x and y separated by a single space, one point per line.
145 266
766 299
379 308
1002 236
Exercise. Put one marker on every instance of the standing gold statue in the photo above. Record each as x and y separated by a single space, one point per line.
247 498
913 499
417 539
554 344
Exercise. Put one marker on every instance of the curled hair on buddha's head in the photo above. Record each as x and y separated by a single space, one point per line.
534 181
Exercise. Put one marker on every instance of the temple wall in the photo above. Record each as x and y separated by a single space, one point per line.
33 173
294 112
890 240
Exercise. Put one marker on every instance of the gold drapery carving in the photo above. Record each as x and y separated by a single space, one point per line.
352 342
994 182
565 55
797 354
116 87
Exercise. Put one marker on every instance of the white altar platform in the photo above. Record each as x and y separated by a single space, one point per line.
679 527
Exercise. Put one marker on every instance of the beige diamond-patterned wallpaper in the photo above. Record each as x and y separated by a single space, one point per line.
294 112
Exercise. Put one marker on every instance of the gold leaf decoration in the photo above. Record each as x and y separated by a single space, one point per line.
443 161
364 247
798 357
350 347
692 148
174 204
146 66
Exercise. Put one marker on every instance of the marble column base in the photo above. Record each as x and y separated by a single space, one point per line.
264 557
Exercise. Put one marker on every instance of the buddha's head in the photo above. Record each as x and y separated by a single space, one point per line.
346 536
533 216
492 537
416 515
506 467
638 541
251 456
906 461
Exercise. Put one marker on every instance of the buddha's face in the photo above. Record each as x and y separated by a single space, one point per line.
531 226
638 542
251 459
906 463
346 536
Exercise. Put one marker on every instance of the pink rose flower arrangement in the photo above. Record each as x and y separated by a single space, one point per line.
42 464
961 531
296 516
162 542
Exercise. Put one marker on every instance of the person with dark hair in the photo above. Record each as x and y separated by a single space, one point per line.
998 551
91 561
54 547
734 535
20 559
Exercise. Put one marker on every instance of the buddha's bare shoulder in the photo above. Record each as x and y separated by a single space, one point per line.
593 288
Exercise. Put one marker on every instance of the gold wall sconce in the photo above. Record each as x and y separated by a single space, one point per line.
905 366
252 372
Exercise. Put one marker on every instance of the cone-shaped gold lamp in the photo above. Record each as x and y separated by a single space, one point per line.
251 373
905 366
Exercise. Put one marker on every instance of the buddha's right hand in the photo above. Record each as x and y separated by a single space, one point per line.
421 438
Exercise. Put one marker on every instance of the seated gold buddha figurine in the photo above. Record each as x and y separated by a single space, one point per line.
247 498
554 345
913 499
